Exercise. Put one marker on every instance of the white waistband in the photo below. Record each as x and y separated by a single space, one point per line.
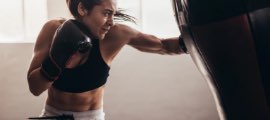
92 114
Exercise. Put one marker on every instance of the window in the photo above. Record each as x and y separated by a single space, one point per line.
11 25
132 8
21 20
154 16
158 18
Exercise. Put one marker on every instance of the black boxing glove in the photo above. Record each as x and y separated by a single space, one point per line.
182 44
70 37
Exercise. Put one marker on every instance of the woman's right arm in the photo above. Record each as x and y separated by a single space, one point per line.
36 81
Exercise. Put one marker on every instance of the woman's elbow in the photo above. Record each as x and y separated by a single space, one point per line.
33 87
34 92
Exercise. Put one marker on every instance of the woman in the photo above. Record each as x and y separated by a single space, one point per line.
98 17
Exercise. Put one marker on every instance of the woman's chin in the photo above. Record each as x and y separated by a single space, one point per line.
101 37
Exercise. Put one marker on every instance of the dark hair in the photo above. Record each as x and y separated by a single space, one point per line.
121 16
89 5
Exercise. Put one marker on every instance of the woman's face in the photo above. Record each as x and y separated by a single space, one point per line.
100 18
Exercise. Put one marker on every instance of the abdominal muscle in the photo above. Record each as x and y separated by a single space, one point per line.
76 102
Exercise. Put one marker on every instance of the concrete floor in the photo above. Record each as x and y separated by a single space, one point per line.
141 86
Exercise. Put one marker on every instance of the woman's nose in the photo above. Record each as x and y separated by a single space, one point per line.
110 21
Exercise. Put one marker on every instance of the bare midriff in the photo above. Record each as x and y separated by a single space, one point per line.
76 102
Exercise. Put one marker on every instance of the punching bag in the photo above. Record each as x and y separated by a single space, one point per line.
229 41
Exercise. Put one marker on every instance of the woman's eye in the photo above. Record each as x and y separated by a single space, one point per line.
106 14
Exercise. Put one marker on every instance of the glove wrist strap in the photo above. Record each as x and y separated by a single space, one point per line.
50 69
182 45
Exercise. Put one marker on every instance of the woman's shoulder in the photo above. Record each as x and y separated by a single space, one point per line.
54 23
47 32
123 30
122 27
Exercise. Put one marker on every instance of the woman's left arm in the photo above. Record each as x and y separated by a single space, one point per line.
145 42
152 44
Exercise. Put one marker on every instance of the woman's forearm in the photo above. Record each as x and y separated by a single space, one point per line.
37 82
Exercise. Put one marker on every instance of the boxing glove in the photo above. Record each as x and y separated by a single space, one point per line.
182 44
70 38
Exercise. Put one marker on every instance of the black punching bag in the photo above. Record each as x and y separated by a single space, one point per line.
229 41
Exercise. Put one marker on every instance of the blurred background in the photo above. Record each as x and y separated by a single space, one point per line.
141 86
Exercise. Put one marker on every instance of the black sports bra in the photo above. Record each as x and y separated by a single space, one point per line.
86 77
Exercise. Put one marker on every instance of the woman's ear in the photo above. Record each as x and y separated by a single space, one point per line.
67 1
81 10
